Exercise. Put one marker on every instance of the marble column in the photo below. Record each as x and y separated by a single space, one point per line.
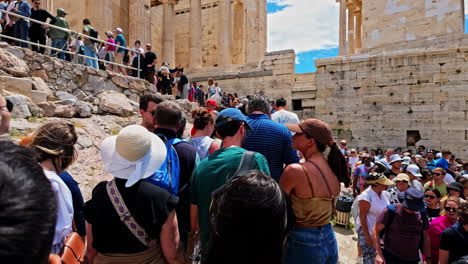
169 32
225 33
263 33
238 33
358 35
196 60
351 29
253 52
49 6
342 40
139 13
100 15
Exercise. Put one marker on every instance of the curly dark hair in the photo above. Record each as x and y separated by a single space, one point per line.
463 213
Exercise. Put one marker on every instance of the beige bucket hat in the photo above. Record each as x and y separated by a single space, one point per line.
134 154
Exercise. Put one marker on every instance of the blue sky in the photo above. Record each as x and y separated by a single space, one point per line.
310 27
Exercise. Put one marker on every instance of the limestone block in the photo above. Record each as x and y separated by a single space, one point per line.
66 96
20 106
12 64
83 109
65 111
41 74
120 81
15 85
115 103
48 108
38 96
38 84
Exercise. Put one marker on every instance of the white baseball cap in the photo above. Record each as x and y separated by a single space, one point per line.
394 158
413 169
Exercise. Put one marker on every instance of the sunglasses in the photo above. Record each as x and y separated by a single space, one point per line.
436 174
401 181
450 209
429 196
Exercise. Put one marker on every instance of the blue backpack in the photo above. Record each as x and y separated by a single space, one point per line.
168 175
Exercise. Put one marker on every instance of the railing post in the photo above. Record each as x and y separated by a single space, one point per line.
139 63
75 35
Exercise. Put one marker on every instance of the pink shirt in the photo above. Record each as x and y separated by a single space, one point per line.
110 47
437 226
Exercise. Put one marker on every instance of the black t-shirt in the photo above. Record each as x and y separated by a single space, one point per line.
390 174
149 205
187 157
432 213
455 240
149 59
41 15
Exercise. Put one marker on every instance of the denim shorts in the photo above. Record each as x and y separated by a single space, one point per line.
311 245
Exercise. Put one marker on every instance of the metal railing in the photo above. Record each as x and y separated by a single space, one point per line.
75 35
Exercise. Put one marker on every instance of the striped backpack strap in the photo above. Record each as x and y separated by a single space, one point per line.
124 213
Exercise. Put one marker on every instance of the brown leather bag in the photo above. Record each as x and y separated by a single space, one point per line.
73 251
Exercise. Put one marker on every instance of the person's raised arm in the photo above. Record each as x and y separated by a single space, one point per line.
170 240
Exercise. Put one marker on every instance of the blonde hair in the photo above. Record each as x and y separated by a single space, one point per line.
449 199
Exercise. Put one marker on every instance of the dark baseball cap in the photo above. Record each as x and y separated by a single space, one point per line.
412 199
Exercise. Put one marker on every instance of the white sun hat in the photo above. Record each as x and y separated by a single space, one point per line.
132 155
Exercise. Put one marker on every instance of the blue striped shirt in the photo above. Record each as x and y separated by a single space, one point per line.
271 139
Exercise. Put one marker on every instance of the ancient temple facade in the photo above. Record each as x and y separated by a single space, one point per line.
190 33
401 78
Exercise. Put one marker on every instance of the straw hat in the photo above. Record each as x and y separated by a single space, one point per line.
134 154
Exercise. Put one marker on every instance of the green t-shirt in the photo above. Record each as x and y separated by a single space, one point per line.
212 173
442 188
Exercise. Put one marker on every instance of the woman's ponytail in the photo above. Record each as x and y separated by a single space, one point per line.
337 163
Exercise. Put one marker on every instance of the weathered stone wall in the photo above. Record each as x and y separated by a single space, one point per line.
304 90
390 21
274 76
386 100
39 85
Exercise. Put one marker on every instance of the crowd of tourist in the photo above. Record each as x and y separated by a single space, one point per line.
113 49
243 188
406 196
252 183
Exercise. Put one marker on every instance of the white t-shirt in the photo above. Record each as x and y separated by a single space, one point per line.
416 184
63 227
285 117
352 162
448 178
377 205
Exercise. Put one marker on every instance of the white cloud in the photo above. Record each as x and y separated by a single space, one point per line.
466 7
298 60
303 25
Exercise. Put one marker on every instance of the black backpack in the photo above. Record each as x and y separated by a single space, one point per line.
94 34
